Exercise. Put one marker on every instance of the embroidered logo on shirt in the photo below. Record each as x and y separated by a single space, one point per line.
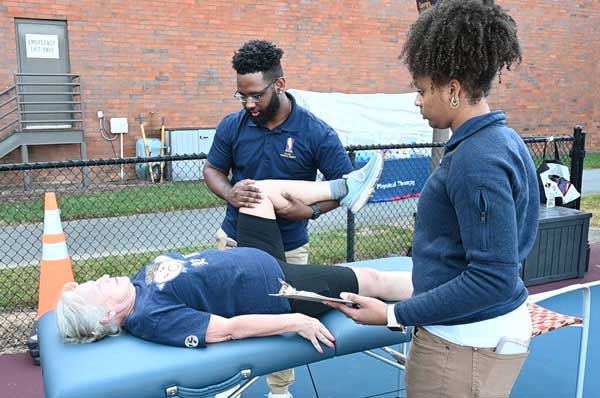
198 262
191 341
289 149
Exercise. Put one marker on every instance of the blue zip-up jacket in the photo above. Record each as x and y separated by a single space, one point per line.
477 220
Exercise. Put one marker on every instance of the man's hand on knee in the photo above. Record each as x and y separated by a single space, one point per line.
244 194
296 210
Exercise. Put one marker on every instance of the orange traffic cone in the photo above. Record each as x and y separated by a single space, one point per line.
56 268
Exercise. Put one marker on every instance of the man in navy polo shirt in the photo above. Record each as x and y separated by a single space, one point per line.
271 138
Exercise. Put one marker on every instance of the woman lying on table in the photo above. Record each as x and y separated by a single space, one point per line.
218 295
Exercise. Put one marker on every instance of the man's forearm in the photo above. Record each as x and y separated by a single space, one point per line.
216 180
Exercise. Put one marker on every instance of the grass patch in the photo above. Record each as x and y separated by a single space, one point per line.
591 203
129 201
592 160
20 286
375 241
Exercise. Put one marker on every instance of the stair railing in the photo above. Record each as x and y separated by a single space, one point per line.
8 111
30 87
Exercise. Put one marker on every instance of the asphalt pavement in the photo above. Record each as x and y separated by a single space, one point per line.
95 238
591 181
146 232
591 185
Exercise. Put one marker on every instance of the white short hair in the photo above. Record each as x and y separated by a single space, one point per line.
79 321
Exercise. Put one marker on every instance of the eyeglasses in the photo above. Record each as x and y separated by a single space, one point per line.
254 98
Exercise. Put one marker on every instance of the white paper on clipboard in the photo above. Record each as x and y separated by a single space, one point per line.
289 292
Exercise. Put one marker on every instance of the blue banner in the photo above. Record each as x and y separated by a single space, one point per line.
401 178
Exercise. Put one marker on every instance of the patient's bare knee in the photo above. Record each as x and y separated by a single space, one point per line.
272 189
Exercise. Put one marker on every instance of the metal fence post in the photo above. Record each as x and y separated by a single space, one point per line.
26 175
439 135
85 175
577 156
20 125
85 171
350 226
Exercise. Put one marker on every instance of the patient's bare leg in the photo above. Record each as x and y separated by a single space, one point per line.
392 286
308 192
386 285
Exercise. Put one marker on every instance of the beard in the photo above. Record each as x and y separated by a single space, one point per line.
268 113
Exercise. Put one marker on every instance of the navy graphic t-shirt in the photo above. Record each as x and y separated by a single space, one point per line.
175 294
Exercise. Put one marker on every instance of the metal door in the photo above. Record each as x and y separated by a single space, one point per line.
43 51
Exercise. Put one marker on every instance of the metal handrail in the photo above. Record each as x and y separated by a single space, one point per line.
48 84
7 90
8 113
49 112
50 93
47 74
47 102
9 124
54 121
6 120
71 108
8 101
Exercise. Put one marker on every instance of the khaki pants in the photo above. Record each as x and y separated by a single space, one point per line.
438 368
278 382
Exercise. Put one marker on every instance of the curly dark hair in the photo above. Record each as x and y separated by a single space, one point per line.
466 40
259 56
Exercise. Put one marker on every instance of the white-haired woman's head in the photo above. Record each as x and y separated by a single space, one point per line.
95 309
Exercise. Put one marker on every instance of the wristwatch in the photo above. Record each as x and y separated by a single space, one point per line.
316 208
392 323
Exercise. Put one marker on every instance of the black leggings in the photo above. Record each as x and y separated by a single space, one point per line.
328 280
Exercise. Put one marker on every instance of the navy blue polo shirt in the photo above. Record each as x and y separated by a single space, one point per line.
292 151
176 294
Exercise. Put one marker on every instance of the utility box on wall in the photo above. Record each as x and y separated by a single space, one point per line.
186 141
561 247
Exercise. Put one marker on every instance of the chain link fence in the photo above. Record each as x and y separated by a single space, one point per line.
118 216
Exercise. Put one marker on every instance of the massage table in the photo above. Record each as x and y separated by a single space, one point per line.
126 366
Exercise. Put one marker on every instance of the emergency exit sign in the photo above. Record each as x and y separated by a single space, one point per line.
42 46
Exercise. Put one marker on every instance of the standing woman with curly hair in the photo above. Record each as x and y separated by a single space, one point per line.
477 215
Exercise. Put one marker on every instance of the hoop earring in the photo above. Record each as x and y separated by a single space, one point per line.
454 102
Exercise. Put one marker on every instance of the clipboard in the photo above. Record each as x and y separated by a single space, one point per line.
289 292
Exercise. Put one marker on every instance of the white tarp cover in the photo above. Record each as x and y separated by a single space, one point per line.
363 119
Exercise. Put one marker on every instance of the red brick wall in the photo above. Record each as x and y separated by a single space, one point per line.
172 59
